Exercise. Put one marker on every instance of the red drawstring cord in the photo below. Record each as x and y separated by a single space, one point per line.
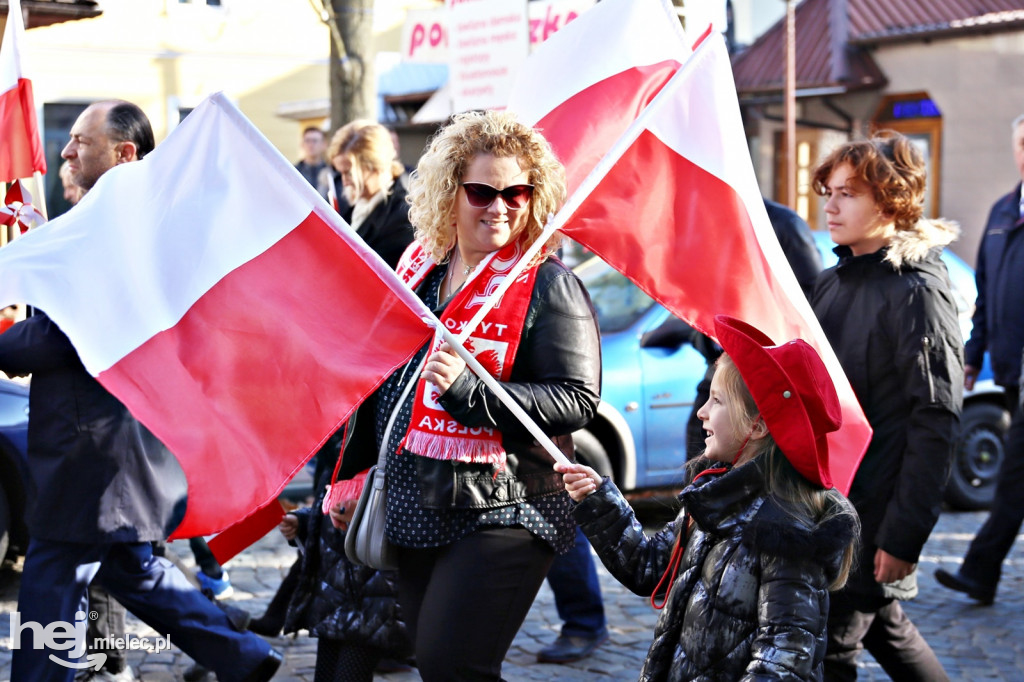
341 451
677 550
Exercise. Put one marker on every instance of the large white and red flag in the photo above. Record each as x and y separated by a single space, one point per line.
21 148
586 84
218 296
675 207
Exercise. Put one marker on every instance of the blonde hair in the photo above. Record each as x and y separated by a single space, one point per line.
371 149
435 182
800 498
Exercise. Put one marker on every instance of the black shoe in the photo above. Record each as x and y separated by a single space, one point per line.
570 648
266 626
197 673
238 617
975 590
267 668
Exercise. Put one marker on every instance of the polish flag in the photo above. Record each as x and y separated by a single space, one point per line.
586 84
21 148
676 208
216 294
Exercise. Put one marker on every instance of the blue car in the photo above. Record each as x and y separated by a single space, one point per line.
650 379
13 470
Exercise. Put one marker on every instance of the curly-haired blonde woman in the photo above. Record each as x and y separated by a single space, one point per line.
888 311
473 501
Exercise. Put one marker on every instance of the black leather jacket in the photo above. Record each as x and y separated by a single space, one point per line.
750 599
556 379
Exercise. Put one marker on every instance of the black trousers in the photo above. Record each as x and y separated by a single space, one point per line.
464 602
108 625
338 661
887 633
984 560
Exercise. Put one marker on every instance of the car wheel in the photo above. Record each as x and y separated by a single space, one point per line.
5 524
979 453
589 451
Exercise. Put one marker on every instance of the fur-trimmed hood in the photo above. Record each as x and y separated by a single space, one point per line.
912 246
774 531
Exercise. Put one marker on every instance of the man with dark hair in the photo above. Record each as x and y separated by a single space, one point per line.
312 165
106 134
105 489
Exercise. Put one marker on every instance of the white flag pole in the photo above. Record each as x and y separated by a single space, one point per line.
41 194
503 396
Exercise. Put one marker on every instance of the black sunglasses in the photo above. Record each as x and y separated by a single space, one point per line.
481 195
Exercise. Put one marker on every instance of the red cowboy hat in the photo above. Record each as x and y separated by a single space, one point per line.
792 390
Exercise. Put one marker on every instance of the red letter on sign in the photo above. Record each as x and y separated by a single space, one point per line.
417 38
436 34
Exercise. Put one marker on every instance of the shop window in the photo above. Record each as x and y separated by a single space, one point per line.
917 116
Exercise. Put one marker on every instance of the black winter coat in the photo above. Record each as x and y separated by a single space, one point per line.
894 329
97 474
338 599
999 309
387 229
750 600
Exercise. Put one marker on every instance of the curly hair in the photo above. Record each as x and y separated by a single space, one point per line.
891 166
435 182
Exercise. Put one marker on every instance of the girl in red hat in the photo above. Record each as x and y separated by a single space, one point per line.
744 572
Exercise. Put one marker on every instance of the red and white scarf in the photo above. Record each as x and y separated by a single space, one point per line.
433 432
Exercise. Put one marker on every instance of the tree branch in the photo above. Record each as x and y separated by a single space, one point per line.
325 10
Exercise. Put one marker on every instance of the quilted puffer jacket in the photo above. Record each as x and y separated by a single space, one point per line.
750 600
338 599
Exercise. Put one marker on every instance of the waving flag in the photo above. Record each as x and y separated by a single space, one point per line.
18 210
676 208
21 149
585 85
217 295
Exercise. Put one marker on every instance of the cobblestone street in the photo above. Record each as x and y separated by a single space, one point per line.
974 643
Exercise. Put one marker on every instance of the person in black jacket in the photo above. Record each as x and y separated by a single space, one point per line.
762 538
888 310
104 487
999 329
375 202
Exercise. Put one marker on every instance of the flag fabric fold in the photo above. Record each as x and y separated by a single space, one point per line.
217 295
21 147
584 86
675 207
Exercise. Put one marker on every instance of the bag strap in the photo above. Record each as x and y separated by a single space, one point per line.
383 454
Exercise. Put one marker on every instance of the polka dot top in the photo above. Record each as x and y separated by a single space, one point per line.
410 525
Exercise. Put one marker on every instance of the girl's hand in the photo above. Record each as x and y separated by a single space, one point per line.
341 514
289 526
443 367
579 480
